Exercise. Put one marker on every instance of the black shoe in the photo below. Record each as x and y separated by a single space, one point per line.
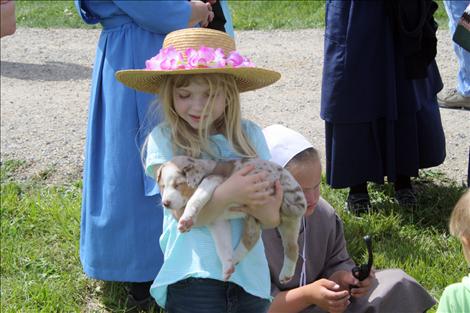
358 203
406 197
139 299
140 305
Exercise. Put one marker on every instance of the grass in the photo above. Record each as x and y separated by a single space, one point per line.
246 15
40 268
41 271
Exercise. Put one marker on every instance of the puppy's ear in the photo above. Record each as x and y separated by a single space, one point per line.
193 175
158 174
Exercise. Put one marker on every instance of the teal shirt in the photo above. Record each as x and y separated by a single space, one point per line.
456 298
193 254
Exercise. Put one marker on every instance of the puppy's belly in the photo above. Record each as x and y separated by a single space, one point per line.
227 215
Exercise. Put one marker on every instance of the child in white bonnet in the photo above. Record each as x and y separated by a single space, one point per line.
323 273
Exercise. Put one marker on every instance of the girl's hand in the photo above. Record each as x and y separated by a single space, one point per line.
268 212
245 188
328 295
200 13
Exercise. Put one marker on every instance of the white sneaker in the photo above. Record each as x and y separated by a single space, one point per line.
453 99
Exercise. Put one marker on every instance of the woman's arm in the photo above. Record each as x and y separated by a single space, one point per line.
8 18
163 17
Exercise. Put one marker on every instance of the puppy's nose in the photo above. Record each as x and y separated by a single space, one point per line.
166 203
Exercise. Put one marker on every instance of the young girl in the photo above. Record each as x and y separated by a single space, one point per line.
456 297
323 272
198 76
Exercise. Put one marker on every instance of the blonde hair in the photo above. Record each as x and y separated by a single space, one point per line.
193 142
459 224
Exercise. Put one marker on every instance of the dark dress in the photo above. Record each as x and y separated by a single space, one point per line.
378 122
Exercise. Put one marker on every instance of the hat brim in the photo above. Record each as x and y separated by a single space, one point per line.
247 78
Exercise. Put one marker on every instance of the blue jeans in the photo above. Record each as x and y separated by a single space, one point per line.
454 11
203 295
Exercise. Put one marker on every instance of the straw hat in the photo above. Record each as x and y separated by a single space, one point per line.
198 51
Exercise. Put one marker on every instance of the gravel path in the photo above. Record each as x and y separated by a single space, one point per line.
45 81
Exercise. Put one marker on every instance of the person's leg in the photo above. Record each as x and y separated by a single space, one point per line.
358 201
138 296
197 295
391 291
460 97
404 192
240 301
140 291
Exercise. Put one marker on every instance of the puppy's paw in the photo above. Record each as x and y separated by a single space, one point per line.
287 271
228 271
284 279
185 224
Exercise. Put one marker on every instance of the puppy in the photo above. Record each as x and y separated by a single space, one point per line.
187 184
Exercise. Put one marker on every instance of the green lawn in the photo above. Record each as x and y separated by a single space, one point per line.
246 14
40 268
41 272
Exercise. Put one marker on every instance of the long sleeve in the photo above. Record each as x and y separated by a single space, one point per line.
338 257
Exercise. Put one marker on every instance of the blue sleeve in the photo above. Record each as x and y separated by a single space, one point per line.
159 148
255 134
86 16
159 17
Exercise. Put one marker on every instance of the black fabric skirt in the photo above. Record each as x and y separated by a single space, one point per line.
378 123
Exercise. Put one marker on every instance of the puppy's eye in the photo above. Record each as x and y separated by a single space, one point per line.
178 185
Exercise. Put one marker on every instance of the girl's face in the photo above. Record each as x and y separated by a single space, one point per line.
189 102
308 175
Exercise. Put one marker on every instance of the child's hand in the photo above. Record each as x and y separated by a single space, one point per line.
363 286
200 13
328 295
267 212
247 189
346 279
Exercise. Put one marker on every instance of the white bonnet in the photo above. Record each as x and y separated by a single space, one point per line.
284 143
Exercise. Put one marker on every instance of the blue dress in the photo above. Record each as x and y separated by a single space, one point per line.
377 122
121 211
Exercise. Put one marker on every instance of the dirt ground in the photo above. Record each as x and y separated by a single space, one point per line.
45 83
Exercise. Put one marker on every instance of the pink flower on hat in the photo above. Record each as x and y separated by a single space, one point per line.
166 59
235 59
219 58
199 58
205 57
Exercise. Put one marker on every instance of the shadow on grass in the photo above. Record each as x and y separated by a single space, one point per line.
436 197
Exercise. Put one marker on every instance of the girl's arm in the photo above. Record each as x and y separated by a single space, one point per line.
242 188
323 293
268 213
